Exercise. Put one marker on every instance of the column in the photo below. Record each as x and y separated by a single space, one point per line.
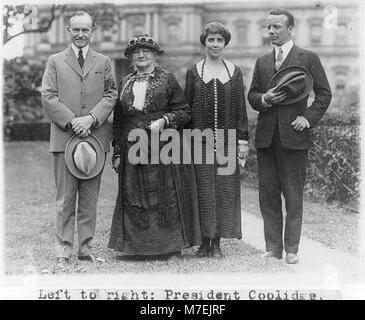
52 33
32 40
184 27
191 26
61 30
123 29
304 32
155 31
148 22
256 34
37 39
98 35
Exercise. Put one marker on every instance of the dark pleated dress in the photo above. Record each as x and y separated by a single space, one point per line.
219 195
156 210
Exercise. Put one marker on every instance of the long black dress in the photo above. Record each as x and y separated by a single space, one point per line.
156 209
219 195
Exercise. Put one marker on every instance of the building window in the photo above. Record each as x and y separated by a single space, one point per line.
138 29
44 37
136 24
241 32
341 72
316 33
341 33
340 84
173 33
265 35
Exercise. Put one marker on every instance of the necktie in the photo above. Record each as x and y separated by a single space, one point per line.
81 59
279 59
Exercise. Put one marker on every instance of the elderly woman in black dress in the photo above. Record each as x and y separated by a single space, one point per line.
156 211
214 90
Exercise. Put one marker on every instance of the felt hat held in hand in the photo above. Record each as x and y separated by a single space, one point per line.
295 81
85 157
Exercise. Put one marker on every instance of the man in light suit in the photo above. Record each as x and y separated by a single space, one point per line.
283 136
78 94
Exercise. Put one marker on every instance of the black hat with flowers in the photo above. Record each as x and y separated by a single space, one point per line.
142 41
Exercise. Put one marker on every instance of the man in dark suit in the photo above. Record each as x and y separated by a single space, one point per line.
282 135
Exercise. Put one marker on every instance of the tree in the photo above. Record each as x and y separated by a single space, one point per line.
21 91
28 15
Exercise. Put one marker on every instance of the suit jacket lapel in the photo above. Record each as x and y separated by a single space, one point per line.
89 62
71 60
270 64
293 58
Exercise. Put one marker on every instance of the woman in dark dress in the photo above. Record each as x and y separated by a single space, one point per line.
214 90
155 212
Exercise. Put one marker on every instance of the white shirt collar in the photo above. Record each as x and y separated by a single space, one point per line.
76 50
286 47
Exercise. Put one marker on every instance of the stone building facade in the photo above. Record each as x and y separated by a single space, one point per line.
332 29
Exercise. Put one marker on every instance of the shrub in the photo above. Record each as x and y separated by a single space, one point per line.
249 172
22 98
333 171
333 166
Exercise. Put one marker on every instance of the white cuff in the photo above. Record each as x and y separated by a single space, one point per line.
94 118
264 103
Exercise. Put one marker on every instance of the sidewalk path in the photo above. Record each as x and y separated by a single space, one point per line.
330 266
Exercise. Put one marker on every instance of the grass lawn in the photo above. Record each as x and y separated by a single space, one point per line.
30 212
29 225
328 224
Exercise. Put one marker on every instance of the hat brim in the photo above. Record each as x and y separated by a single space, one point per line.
129 50
282 72
100 156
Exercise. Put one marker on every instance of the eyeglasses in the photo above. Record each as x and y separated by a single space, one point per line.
140 39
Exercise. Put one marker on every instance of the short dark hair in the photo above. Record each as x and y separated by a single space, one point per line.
212 28
285 12
82 13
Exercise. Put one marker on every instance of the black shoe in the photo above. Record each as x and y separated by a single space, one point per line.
292 258
216 252
91 258
202 252
272 254
174 256
215 248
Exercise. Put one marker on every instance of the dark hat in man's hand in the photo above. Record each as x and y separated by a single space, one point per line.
295 81
84 157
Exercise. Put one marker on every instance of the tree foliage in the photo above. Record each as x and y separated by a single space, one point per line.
21 90
28 17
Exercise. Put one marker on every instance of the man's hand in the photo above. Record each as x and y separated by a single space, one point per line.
81 126
158 125
274 98
243 150
300 123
